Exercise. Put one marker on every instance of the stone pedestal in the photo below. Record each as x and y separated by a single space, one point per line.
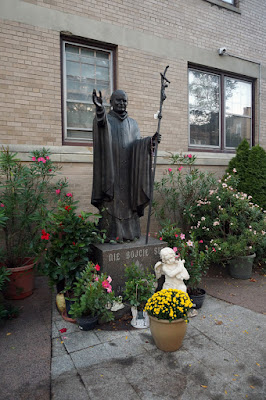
114 258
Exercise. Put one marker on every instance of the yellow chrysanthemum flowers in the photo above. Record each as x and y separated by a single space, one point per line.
169 304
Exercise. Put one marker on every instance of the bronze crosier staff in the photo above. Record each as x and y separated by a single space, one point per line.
164 85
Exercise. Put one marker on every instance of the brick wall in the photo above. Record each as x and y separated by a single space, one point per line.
30 72
30 85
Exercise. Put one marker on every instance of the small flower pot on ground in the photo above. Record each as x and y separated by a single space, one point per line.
87 323
168 312
197 298
168 336
241 267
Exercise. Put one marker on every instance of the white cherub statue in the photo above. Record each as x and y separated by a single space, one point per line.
173 270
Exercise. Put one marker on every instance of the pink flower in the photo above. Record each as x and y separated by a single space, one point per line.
160 238
41 159
179 169
189 155
105 284
182 236
191 264
47 158
175 249
176 235
2 205
213 249
201 241
170 169
50 170
190 243
69 195
109 290
97 267
96 279
33 158
58 191
109 279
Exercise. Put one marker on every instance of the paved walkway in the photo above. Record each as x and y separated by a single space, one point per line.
223 356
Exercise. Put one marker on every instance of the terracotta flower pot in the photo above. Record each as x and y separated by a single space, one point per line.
168 336
21 281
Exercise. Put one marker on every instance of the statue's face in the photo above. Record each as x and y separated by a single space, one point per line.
119 101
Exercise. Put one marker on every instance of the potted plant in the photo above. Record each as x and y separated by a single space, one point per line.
168 313
66 242
196 256
25 192
232 226
93 297
139 286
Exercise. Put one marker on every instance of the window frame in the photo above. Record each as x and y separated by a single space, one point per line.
90 44
224 4
222 74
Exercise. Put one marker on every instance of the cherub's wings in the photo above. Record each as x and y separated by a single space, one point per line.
158 269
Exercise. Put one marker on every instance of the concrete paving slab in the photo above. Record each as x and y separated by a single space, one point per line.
108 336
87 357
69 326
60 365
58 348
69 386
79 340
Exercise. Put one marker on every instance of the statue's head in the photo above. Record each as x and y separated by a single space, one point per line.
167 255
118 101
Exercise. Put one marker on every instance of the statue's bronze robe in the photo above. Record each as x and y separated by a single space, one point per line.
121 174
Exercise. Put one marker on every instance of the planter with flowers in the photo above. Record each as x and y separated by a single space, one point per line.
232 226
93 298
139 286
168 312
25 192
196 256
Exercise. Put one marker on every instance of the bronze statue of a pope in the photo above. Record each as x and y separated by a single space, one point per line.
121 169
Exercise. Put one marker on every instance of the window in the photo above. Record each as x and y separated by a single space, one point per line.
84 68
229 1
220 110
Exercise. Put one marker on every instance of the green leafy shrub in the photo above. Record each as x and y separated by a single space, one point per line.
229 222
250 165
93 294
139 285
26 191
179 188
67 240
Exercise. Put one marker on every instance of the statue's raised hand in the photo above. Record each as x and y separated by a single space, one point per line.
97 100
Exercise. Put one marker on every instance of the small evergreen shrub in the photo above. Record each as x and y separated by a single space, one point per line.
250 165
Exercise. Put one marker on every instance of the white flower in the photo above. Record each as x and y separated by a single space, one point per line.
216 223
203 218
234 170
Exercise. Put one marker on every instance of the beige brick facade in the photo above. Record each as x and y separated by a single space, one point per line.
149 35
